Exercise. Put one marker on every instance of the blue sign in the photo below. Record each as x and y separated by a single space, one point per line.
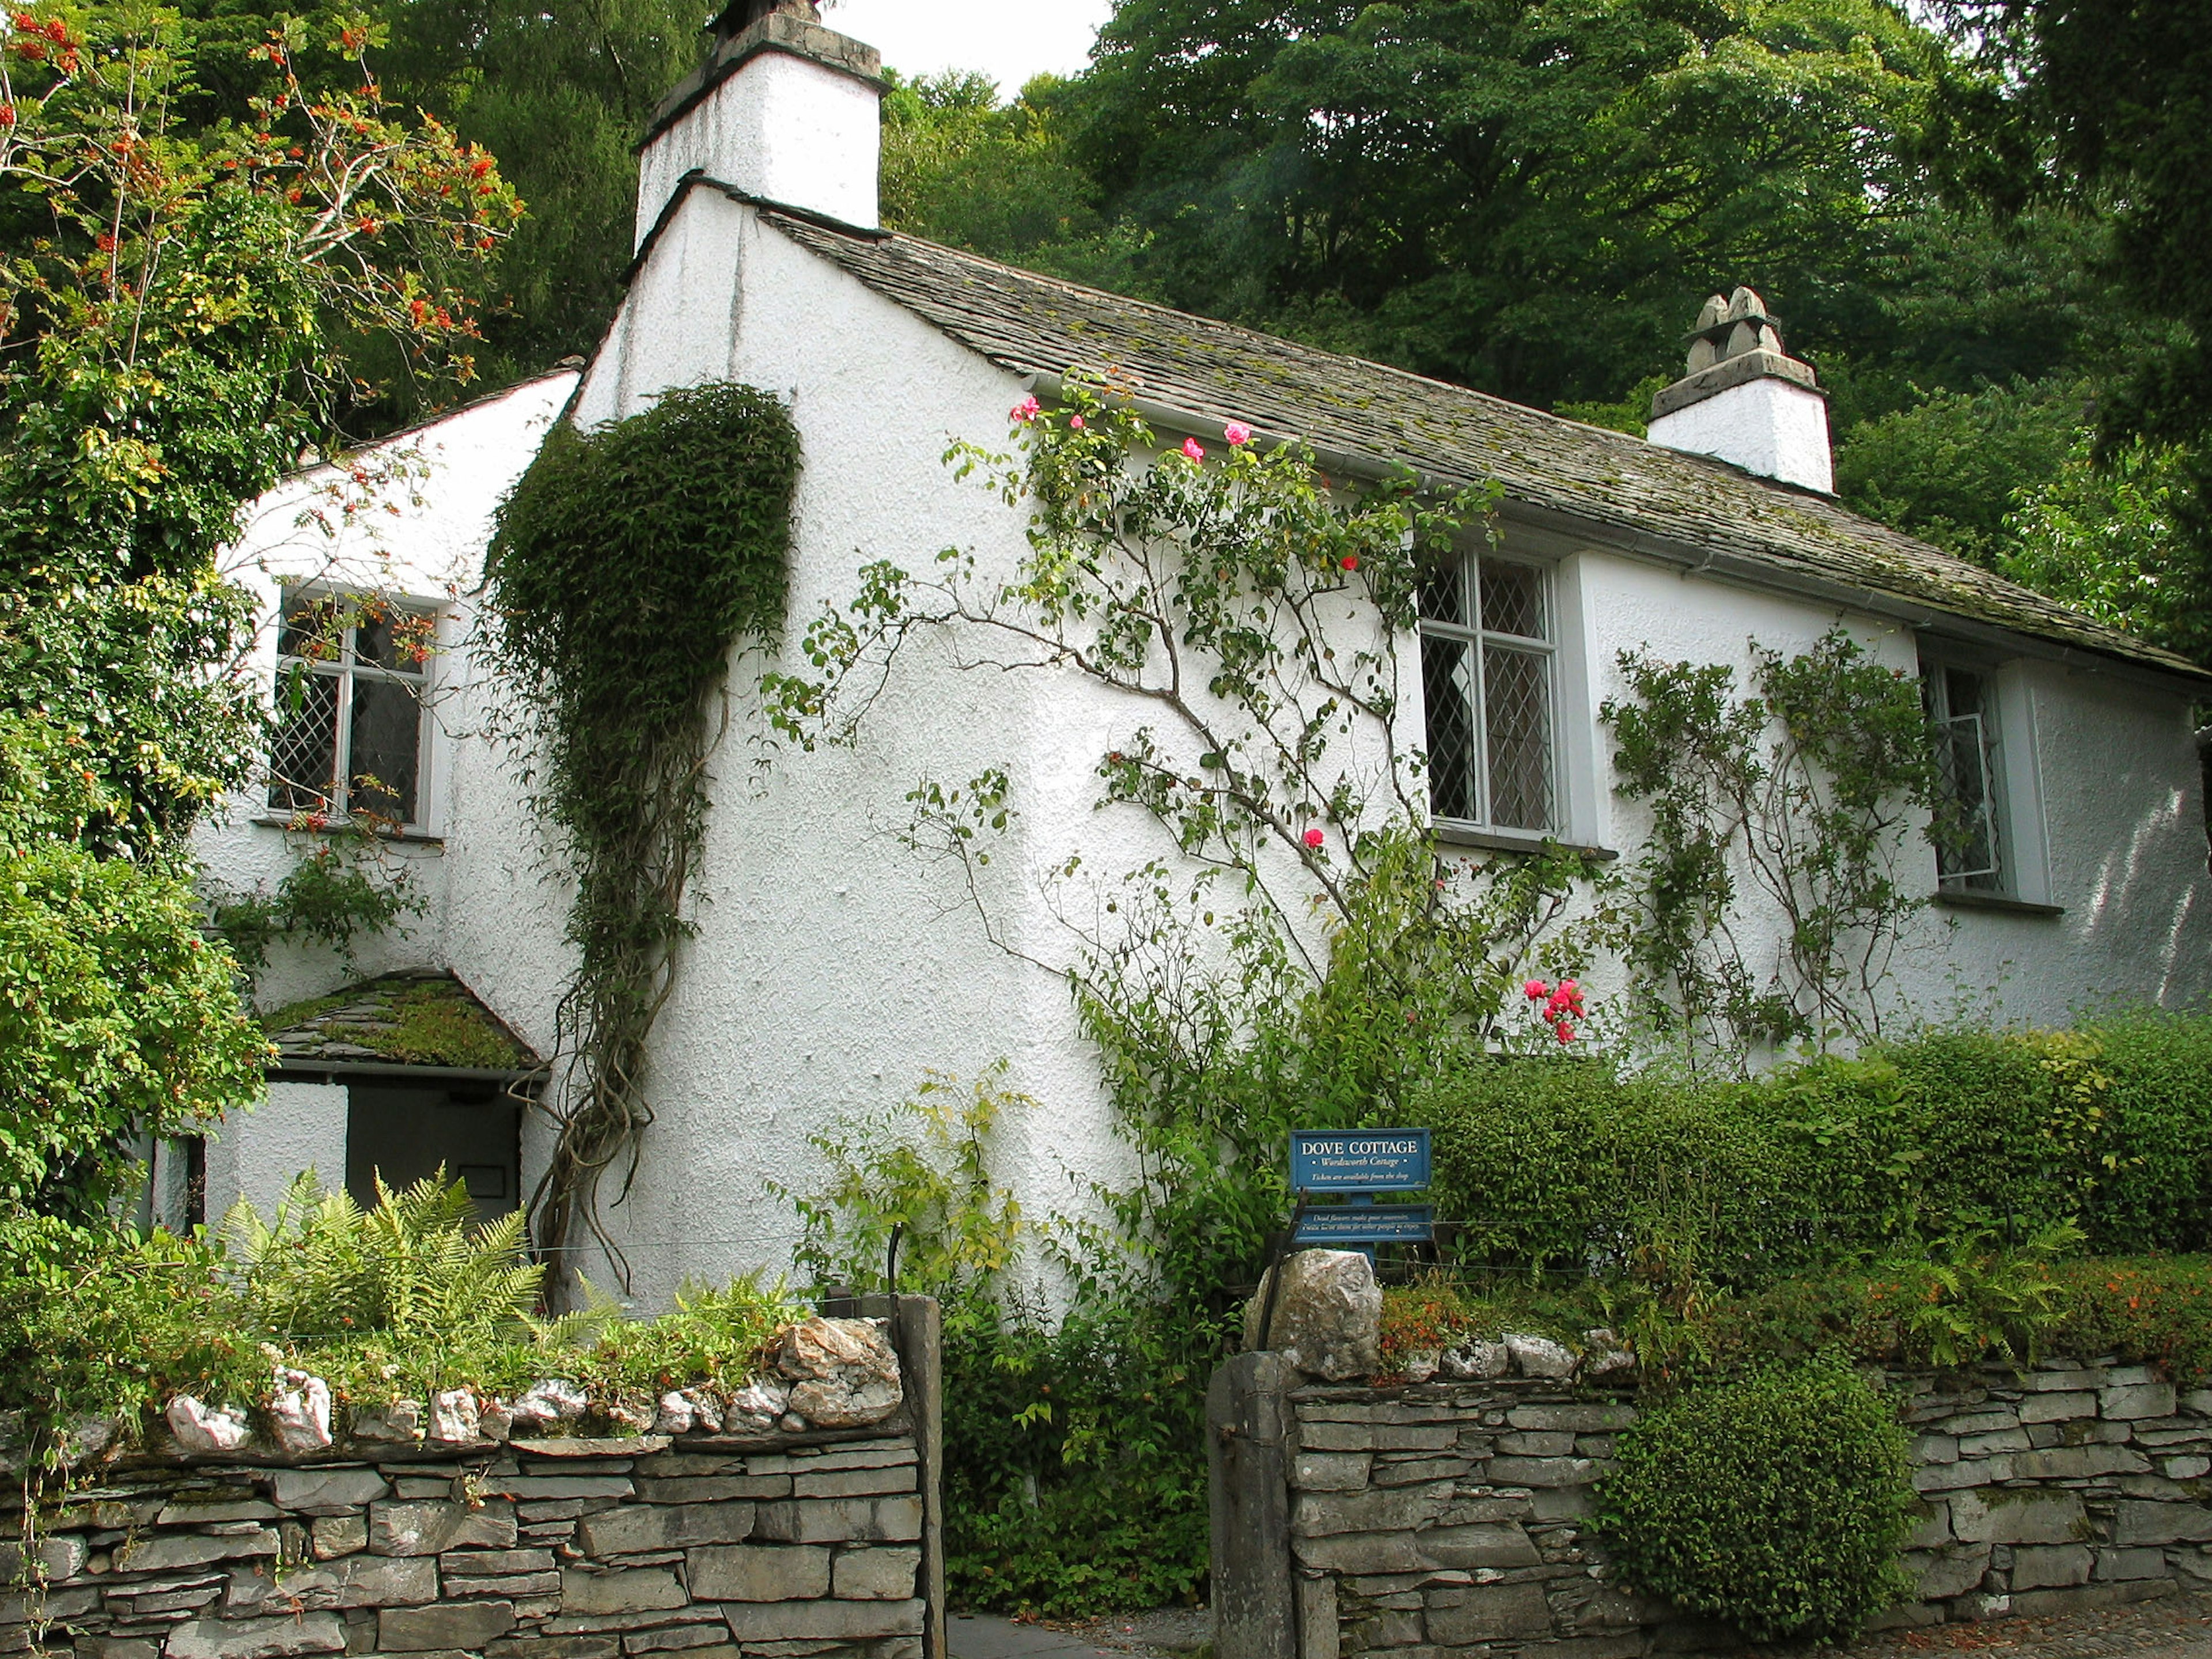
1367 1224
1359 1160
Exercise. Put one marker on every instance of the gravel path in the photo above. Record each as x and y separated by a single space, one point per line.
2173 1627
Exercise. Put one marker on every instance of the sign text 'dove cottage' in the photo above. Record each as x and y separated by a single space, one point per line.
1360 1161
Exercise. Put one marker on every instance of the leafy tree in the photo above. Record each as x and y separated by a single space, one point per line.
961 169
561 90
2104 106
1948 468
173 313
117 1019
1520 195
2112 537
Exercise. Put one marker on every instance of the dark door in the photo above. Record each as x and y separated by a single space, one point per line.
403 1133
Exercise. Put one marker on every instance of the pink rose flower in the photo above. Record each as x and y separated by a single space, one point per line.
1567 1032
1193 450
1076 421
1350 562
1237 433
1536 990
1315 837
1024 410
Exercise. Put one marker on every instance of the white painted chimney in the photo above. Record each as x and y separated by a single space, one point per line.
1745 401
782 108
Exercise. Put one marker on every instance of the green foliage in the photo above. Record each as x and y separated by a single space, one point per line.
960 168
2119 539
1949 469
1518 195
1071 1485
625 568
2102 105
925 1191
1777 1501
399 1300
117 1019
414 1265
341 886
1804 789
1951 1136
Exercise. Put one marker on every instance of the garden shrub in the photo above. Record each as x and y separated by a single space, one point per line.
1575 1166
404 1298
1072 1480
1777 1501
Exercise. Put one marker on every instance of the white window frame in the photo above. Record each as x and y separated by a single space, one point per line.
1979 732
2015 811
1480 639
347 670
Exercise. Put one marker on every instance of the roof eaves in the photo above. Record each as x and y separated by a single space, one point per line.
1767 533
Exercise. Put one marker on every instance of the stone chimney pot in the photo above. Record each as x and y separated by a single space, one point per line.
1744 400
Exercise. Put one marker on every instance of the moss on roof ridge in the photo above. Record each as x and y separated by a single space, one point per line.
408 1018
1354 405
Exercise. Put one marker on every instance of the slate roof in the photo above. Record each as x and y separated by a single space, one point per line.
423 1016
1217 371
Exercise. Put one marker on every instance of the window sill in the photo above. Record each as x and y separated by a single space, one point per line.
1973 900
1511 840
339 826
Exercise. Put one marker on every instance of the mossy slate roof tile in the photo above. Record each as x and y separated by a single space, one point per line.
423 1016
1214 371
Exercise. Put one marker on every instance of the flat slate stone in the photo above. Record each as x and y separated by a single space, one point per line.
636 1589
761 1572
639 1528
463 1624
824 1621
326 1492
257 1638
630 1445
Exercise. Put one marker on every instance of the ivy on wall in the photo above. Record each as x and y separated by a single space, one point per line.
625 568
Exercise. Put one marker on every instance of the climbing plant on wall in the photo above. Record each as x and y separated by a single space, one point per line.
1295 950
1805 794
627 566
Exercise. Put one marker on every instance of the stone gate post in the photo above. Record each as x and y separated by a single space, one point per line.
1247 1462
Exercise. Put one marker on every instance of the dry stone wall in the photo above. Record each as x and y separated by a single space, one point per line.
1451 1517
694 1546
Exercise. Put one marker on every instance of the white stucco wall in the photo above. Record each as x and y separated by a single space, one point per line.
833 967
256 1157
2101 770
785 128
1771 427
420 511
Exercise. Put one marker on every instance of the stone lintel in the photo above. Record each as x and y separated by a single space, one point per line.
1732 371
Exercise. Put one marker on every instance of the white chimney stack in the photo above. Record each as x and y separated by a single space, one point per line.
1745 401
783 109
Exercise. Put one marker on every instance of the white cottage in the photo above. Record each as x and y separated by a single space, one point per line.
831 967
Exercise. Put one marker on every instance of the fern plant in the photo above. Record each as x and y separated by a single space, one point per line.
413 1267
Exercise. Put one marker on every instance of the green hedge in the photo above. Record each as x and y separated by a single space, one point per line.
1567 1166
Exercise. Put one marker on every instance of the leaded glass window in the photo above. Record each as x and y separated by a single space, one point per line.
351 674
1486 673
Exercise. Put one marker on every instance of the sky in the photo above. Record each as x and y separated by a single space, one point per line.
1010 41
